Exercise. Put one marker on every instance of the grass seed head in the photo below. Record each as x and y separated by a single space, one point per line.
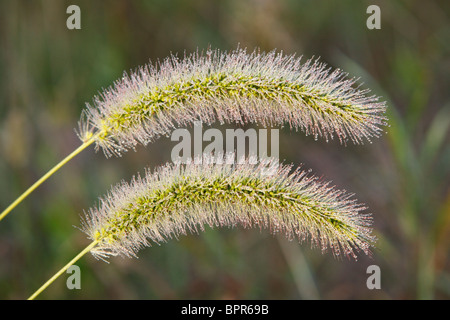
231 87
177 199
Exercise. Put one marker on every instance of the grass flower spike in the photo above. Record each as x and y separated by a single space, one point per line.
174 200
268 89
263 88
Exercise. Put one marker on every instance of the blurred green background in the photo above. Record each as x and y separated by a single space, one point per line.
48 72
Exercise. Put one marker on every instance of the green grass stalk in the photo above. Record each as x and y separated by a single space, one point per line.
45 177
63 269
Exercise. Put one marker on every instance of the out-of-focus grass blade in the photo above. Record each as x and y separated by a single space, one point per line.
436 136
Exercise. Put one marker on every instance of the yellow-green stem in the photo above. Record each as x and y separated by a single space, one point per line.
46 176
50 281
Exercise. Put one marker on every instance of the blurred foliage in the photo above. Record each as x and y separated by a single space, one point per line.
48 73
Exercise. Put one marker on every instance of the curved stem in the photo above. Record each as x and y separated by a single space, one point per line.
46 176
50 281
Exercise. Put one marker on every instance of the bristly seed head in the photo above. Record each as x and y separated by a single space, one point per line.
175 199
264 88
